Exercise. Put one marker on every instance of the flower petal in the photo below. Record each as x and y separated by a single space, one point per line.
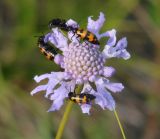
110 101
123 54
115 87
103 97
51 84
92 78
51 38
60 93
101 81
122 43
41 77
58 97
118 51
57 75
46 38
72 23
112 37
95 26
54 79
100 100
86 108
59 60
56 105
58 39
38 89
86 88
108 71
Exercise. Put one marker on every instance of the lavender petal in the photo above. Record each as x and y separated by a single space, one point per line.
115 87
86 108
108 71
95 26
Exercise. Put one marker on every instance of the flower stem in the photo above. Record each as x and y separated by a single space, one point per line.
66 116
64 120
120 125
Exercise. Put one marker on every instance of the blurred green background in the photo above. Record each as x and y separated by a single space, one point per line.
24 117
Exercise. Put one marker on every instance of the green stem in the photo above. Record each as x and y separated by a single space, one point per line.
64 120
120 125
66 116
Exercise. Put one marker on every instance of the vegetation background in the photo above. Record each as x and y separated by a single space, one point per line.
25 117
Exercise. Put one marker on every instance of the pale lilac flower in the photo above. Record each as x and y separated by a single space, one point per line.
83 63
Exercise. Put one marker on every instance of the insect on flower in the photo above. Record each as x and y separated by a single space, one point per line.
82 64
83 98
81 33
60 23
46 48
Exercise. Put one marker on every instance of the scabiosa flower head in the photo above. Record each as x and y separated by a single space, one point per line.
83 63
